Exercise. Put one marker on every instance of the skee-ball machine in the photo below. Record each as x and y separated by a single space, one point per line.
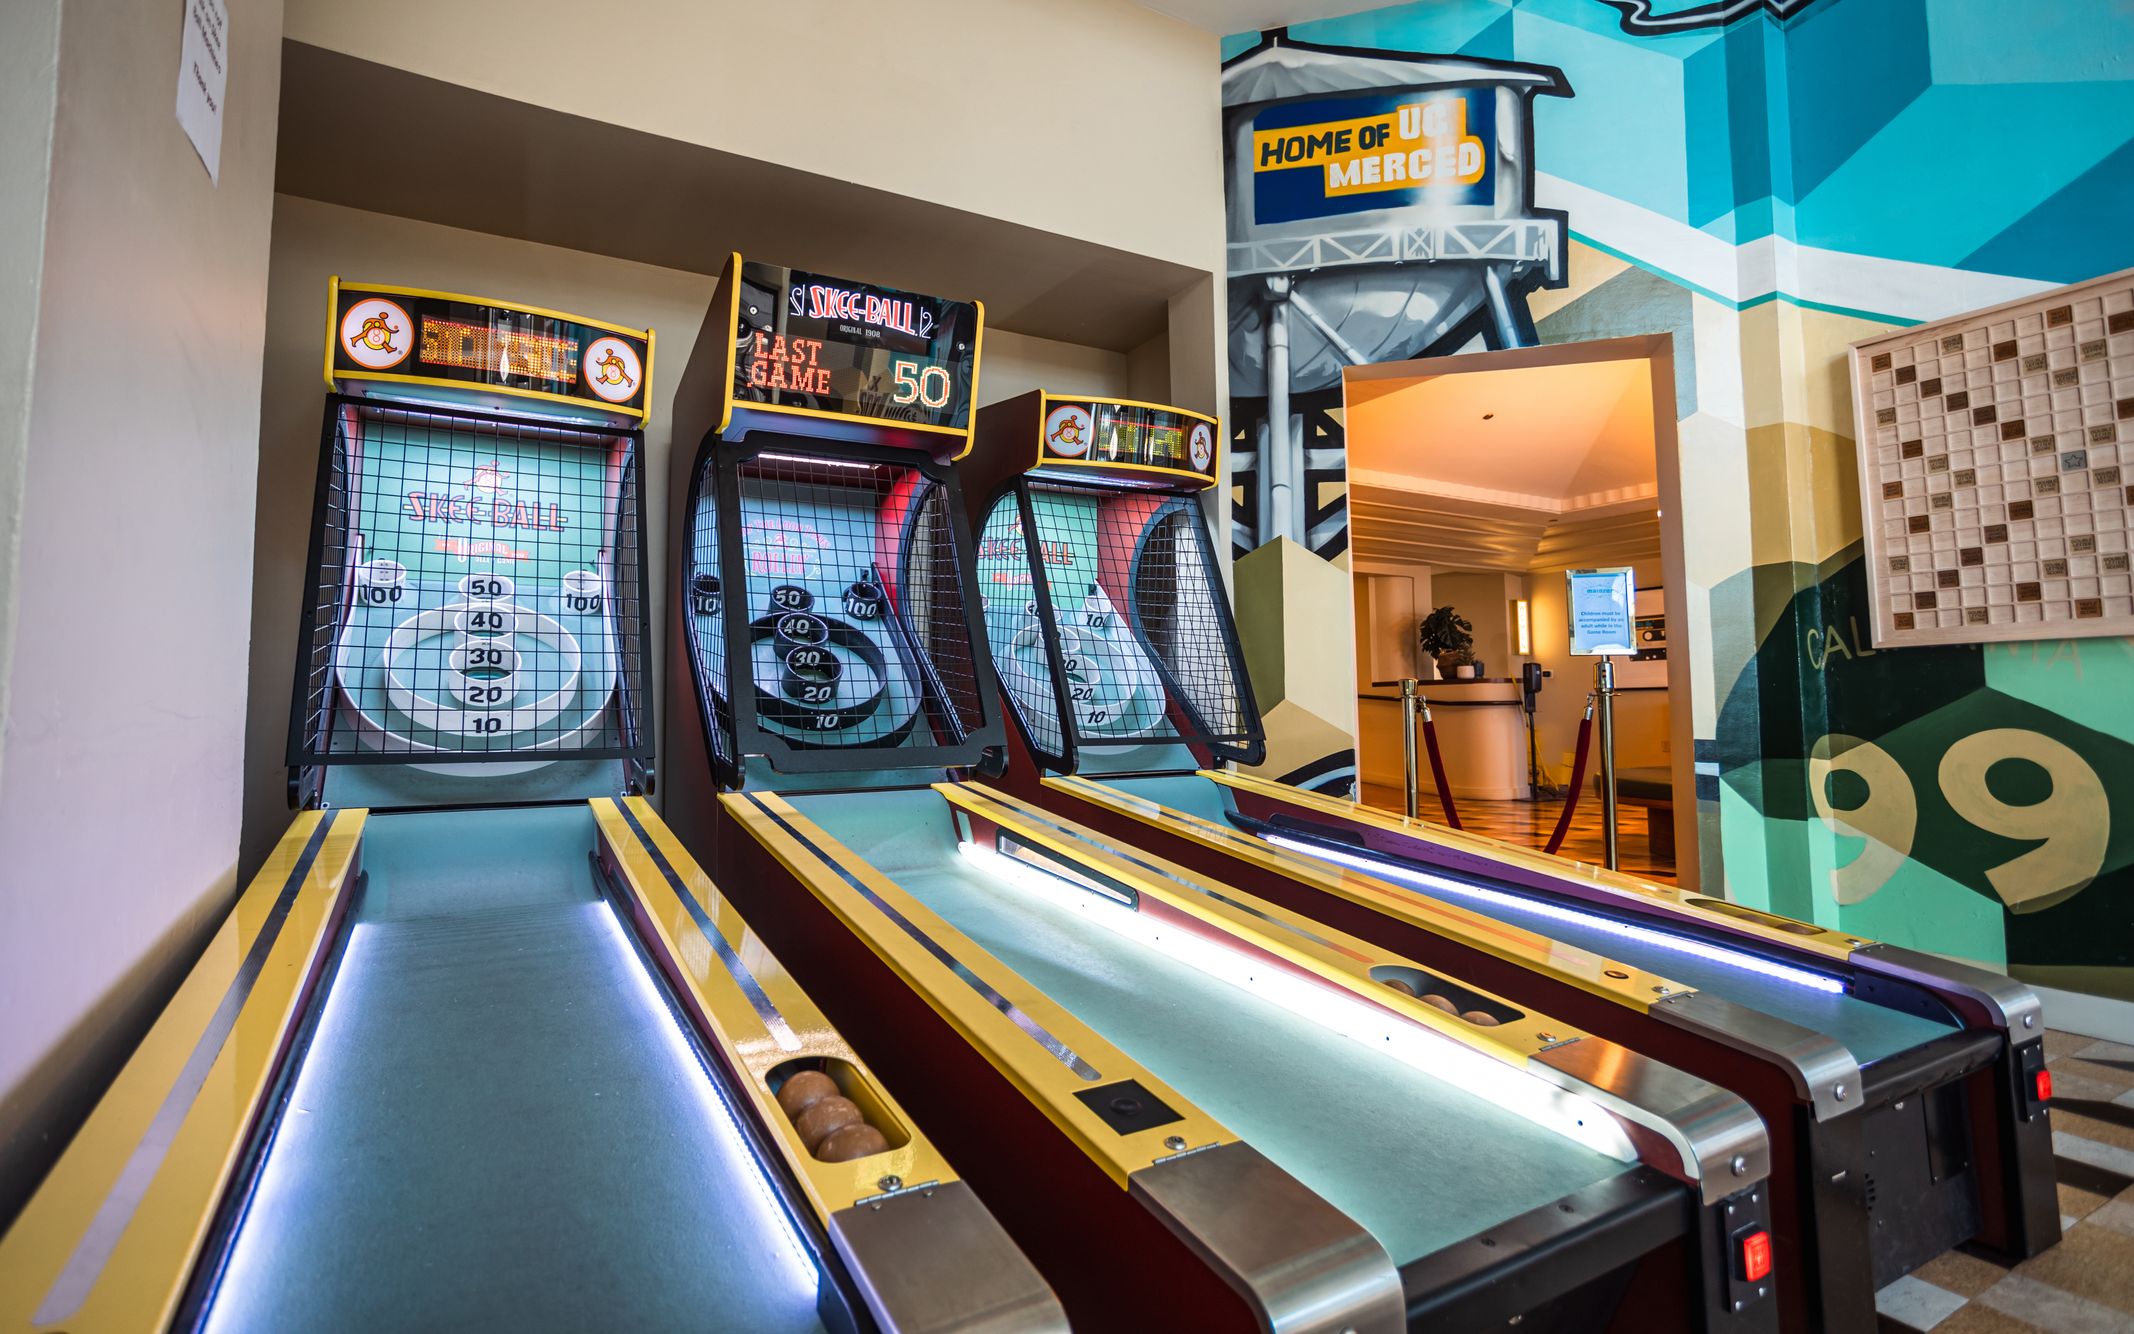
1192 1109
1905 1096
481 1047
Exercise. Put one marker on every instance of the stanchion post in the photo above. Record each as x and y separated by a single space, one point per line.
1413 777
1604 690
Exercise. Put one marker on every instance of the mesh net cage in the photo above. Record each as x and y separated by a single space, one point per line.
1109 625
841 579
477 592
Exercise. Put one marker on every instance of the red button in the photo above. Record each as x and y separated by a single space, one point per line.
2044 1086
1756 1256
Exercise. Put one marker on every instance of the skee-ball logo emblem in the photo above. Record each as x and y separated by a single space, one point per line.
611 369
1200 446
1068 430
375 333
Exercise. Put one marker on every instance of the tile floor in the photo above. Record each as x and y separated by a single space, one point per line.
2085 1285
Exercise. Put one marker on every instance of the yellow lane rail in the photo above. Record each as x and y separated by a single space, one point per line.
109 1240
1044 1051
1665 900
747 1004
1595 973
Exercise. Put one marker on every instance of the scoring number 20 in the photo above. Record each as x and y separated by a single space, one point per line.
928 386
2072 825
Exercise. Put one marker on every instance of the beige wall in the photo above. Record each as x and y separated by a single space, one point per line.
1485 599
29 89
312 242
136 435
120 797
992 106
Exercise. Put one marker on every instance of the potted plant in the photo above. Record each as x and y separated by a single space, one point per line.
1448 637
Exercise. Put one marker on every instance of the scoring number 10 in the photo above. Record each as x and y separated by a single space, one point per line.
928 386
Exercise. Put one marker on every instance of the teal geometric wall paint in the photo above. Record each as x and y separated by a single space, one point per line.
1900 160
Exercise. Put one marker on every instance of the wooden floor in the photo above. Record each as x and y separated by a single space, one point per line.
1531 823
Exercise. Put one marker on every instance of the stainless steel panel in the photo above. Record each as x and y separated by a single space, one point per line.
934 1260
1303 1264
1721 1139
2011 1004
1823 1069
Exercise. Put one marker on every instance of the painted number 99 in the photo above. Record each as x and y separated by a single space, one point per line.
928 386
2071 826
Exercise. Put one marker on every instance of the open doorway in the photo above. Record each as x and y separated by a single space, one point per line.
1475 483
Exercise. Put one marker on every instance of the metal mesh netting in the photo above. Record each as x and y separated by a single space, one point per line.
1162 668
1179 609
851 595
477 594
1014 631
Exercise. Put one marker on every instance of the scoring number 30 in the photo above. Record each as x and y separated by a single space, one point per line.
2072 825
928 386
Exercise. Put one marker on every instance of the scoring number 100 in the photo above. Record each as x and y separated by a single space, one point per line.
928 386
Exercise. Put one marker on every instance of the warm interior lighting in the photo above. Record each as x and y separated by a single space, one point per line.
1522 627
1667 940
1414 1043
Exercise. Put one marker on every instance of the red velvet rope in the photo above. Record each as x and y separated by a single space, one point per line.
1437 772
1578 783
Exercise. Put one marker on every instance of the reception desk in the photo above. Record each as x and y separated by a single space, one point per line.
1481 733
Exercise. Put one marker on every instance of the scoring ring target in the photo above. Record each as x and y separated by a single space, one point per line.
404 682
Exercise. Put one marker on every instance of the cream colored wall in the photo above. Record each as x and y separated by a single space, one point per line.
120 798
1485 599
993 106
313 241
29 89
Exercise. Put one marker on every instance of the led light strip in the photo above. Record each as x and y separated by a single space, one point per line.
1414 1044
815 461
1435 884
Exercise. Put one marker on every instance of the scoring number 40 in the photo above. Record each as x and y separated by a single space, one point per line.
2071 826
928 386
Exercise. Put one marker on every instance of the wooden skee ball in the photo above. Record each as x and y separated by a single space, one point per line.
803 1090
1441 1003
825 1118
1482 1017
853 1141
1402 987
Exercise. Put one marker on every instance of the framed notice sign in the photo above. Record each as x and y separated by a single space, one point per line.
1602 608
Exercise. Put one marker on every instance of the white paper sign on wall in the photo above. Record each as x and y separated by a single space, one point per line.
203 73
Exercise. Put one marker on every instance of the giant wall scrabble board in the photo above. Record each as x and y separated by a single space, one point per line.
1997 470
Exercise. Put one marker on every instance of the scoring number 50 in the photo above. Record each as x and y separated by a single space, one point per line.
2071 826
928 386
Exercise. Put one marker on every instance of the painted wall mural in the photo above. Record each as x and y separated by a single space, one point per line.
1767 181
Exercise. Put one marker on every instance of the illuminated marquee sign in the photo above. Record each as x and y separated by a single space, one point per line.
1092 433
400 335
1352 155
809 341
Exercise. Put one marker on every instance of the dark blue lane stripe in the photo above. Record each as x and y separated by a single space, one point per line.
86 1265
1059 1050
766 1010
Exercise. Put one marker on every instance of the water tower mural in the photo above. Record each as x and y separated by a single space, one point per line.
1380 208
